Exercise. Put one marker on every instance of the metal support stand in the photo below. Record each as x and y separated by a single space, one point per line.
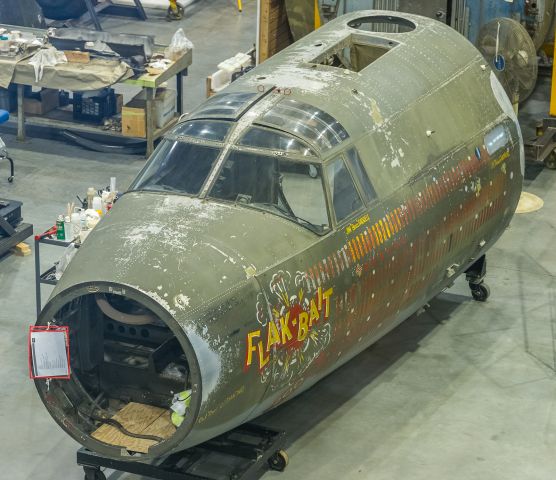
20 114
244 453
109 8
179 91
150 114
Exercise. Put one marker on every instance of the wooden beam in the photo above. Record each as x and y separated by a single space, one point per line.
274 29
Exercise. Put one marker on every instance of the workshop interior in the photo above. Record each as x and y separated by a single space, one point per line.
297 239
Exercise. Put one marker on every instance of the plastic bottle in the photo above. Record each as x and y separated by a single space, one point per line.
83 219
105 201
91 192
68 229
60 231
97 204
76 224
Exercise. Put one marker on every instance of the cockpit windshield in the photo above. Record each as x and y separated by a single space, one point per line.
177 166
287 188
266 169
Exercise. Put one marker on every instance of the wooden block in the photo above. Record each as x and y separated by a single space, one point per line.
134 121
74 56
21 250
208 86
273 23
137 418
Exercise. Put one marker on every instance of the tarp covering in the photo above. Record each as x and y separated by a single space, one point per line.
97 74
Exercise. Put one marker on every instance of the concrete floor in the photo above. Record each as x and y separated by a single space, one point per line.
450 394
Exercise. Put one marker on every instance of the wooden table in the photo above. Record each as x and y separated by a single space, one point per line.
64 119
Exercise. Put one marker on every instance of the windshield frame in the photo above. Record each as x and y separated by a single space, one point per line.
227 148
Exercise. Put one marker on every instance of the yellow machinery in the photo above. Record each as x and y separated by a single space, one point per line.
544 147
175 10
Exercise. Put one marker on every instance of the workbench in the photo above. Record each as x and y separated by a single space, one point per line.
56 77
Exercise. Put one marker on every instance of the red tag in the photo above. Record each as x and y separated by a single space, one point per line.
48 350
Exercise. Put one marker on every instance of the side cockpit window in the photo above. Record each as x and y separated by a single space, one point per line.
496 139
354 162
345 199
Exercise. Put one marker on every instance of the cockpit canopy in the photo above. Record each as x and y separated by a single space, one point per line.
273 164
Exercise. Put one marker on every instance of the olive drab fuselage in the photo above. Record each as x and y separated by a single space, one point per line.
264 307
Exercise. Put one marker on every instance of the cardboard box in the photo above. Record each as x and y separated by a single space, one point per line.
42 102
164 105
134 119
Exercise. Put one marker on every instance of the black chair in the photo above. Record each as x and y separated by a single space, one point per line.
4 117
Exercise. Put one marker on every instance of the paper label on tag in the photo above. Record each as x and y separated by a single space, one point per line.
48 353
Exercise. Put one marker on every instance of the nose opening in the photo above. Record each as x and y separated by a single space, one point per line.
131 382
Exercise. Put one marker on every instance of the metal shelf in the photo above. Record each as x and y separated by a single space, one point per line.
45 278
62 120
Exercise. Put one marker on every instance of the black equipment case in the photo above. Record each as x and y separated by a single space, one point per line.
10 210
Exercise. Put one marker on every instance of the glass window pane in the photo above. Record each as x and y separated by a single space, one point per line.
354 162
263 138
307 121
228 104
207 130
177 167
345 198
496 139
292 190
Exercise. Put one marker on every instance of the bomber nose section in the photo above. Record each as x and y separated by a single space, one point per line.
129 358
159 300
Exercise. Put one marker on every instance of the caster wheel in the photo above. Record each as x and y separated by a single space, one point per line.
11 179
550 161
279 461
93 474
480 292
172 15
313 172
